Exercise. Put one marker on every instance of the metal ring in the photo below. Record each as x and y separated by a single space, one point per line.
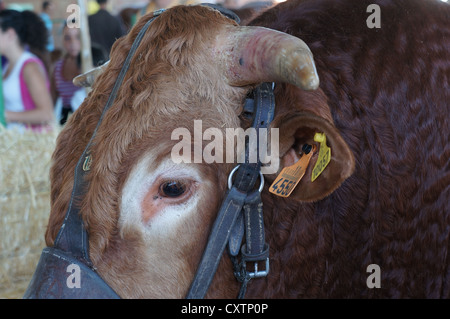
230 178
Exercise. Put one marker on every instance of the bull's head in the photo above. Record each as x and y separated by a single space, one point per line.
148 217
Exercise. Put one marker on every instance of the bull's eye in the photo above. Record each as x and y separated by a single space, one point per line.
172 189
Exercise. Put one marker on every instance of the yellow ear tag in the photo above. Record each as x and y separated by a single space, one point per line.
289 177
324 156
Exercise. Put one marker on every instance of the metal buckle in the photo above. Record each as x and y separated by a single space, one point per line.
230 179
260 273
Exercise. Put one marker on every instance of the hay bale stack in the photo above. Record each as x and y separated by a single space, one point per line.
24 205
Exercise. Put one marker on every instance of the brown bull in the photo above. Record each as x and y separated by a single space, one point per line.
382 104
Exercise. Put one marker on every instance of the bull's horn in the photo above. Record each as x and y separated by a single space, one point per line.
256 54
88 78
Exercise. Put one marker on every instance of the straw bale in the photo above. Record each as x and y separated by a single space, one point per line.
24 205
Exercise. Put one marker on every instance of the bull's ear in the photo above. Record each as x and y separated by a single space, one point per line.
299 129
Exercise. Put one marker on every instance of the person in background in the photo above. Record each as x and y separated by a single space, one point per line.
98 58
104 28
47 11
65 70
27 100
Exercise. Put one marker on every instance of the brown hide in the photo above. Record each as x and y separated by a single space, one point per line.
388 93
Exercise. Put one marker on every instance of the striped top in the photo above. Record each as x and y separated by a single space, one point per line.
65 89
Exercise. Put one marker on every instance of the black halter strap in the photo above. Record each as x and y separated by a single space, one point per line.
240 213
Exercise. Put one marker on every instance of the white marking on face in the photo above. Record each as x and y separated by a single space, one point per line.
173 229
142 203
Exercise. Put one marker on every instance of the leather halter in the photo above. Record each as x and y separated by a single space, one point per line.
240 213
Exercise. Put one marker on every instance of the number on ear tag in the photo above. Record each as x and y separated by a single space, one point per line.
324 156
289 177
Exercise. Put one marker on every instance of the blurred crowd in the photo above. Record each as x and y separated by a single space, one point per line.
36 74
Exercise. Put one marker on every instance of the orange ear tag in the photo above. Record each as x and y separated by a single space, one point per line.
324 156
289 177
